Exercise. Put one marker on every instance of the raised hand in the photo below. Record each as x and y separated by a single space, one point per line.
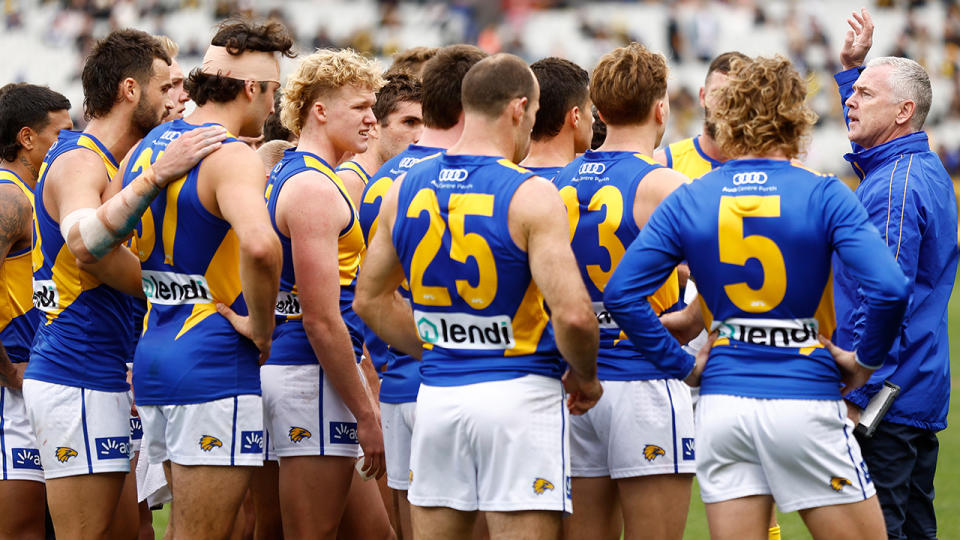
858 41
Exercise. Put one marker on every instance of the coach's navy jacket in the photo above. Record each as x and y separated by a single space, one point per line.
910 199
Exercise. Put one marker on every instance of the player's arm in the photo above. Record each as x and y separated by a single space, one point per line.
655 187
16 226
643 269
313 237
93 232
377 301
537 213
353 183
235 176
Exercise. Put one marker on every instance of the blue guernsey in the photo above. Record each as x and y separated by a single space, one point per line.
759 236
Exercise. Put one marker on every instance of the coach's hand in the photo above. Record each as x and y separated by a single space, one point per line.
852 373
244 327
858 41
370 437
582 394
700 362
186 151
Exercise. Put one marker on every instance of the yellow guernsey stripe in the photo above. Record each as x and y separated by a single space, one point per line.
170 219
510 165
224 280
355 168
529 322
88 143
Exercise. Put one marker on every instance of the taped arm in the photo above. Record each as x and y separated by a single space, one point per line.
93 233
643 269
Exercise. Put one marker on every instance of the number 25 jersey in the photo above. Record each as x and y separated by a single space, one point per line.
475 304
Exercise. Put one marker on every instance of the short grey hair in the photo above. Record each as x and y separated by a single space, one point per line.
909 81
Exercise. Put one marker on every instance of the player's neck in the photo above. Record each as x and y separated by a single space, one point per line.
23 168
315 141
370 160
116 132
639 138
710 147
229 115
441 138
484 136
553 152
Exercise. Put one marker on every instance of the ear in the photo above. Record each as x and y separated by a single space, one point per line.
573 116
519 109
374 131
129 90
319 110
906 112
27 138
703 98
660 112
250 89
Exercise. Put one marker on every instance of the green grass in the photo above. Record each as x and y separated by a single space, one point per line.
947 481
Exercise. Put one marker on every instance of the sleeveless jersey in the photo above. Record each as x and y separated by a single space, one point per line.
401 380
599 190
18 317
85 338
355 167
687 157
475 304
188 352
290 343
550 173
759 235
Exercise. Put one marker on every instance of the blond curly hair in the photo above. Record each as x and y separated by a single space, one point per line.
762 109
320 73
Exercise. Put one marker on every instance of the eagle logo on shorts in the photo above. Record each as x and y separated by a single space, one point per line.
298 434
651 451
209 442
837 483
541 486
64 454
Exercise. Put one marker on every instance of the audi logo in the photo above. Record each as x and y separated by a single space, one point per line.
453 175
407 162
752 177
592 168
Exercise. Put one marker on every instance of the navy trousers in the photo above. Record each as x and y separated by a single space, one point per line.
902 461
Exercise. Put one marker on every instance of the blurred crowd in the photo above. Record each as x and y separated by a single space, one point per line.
688 32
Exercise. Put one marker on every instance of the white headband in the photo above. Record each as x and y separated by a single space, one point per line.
246 66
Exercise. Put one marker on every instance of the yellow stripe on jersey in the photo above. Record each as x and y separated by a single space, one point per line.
646 158
170 219
351 165
687 160
529 322
16 273
506 163
88 143
351 246
221 276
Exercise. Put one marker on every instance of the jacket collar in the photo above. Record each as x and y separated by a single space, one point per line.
867 160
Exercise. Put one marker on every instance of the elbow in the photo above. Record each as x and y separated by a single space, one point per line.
578 322
614 296
361 305
263 249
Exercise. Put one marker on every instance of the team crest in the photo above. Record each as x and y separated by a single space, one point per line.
209 442
652 451
64 454
837 483
298 434
541 486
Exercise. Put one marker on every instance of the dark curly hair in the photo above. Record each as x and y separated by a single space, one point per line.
237 36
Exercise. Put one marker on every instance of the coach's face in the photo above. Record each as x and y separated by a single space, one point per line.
873 108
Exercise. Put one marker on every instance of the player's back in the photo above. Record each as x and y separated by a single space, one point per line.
759 235
599 190
18 317
402 376
687 156
291 346
476 306
86 336
190 261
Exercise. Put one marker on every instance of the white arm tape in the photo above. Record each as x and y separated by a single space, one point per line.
93 233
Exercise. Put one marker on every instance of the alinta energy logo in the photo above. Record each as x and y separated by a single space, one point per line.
113 447
343 433
462 331
26 458
170 288
251 442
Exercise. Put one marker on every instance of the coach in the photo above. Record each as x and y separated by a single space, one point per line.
910 199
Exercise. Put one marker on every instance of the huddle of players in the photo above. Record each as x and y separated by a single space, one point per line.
477 246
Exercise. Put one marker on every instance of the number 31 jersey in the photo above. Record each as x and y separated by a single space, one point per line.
475 304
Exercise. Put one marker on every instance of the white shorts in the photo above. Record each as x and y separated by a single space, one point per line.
397 420
226 432
304 415
638 428
497 446
18 445
80 431
136 435
800 451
